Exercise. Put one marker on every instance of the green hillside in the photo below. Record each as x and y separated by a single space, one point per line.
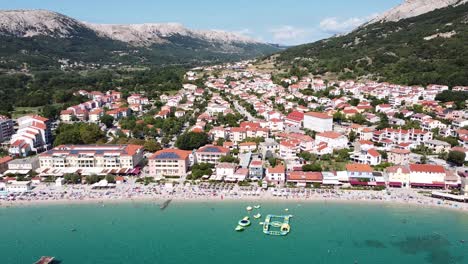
394 51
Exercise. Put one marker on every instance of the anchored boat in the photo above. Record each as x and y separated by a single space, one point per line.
257 216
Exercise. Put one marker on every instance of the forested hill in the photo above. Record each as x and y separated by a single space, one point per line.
43 40
429 48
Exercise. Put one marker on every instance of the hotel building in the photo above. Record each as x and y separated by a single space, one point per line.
169 162
99 159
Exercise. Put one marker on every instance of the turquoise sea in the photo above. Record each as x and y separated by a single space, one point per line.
204 233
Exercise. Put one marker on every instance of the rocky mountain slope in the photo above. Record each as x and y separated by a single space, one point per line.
39 37
399 46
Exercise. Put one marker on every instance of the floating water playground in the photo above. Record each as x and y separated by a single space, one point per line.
277 225
274 225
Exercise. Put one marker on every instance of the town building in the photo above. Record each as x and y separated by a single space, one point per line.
34 135
399 156
333 139
427 175
302 178
18 187
319 122
398 176
276 175
358 172
23 166
91 159
438 146
256 170
6 128
210 154
169 163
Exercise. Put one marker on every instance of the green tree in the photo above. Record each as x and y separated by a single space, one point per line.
312 167
456 157
107 120
152 145
110 178
192 140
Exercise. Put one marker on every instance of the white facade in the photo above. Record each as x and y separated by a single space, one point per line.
18 187
319 122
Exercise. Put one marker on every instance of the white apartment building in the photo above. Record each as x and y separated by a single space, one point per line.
169 162
319 122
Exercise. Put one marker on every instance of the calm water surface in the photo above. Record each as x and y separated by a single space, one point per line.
204 233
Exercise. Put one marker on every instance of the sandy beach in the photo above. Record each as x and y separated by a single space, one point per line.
133 193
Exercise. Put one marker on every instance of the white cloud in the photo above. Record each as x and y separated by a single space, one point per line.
334 25
287 33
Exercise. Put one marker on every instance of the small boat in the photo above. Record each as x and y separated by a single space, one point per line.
249 208
286 209
244 222
257 206
239 228
261 223
45 260
257 216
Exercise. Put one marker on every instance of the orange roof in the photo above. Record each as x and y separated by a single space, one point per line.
277 169
365 142
132 149
400 151
305 176
426 168
5 159
318 115
373 152
394 169
330 134
358 167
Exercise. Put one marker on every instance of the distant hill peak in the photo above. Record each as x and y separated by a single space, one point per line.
413 8
30 23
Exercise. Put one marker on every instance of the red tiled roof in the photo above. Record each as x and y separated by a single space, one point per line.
277 169
318 115
330 134
356 167
373 152
5 159
305 176
426 168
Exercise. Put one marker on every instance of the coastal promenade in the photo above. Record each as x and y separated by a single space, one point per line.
131 192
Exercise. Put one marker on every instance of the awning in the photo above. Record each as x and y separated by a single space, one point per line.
437 185
21 172
395 184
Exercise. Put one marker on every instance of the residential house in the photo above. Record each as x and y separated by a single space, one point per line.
302 178
276 175
398 176
333 139
210 154
399 156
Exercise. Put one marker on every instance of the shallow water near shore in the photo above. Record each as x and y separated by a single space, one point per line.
203 232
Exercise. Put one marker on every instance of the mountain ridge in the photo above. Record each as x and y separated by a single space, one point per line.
42 38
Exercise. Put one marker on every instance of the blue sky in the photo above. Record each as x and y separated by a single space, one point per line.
278 21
